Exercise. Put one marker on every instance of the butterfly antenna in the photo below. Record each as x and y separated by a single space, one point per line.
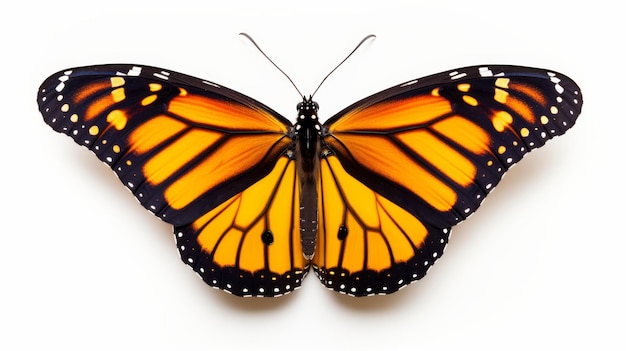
270 60
344 60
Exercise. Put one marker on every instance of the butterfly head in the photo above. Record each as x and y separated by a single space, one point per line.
307 114
307 107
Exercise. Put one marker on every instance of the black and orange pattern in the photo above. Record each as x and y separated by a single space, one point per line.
394 172
435 148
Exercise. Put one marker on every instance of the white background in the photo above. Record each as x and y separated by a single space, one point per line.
539 266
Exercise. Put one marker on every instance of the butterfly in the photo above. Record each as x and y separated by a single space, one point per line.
366 199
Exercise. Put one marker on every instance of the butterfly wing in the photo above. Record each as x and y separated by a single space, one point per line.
404 165
368 244
250 244
199 156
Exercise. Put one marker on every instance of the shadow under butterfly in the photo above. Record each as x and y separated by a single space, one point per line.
366 198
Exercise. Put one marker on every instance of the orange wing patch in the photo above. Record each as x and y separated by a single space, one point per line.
250 244
404 113
170 144
229 160
223 114
367 243
411 147
446 147
387 159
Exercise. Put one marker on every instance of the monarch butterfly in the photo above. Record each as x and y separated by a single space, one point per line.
366 198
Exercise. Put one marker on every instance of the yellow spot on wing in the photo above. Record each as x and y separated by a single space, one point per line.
118 119
524 132
118 94
470 100
117 82
94 130
503 83
500 95
155 87
148 100
464 87
501 120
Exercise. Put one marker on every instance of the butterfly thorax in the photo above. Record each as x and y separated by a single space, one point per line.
307 159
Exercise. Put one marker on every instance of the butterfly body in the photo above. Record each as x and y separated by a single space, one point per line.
367 198
308 160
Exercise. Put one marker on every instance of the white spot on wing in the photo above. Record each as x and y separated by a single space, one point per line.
409 83
210 83
485 72
135 71
457 75
163 75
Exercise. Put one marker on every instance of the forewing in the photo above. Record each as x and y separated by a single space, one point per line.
180 144
438 145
